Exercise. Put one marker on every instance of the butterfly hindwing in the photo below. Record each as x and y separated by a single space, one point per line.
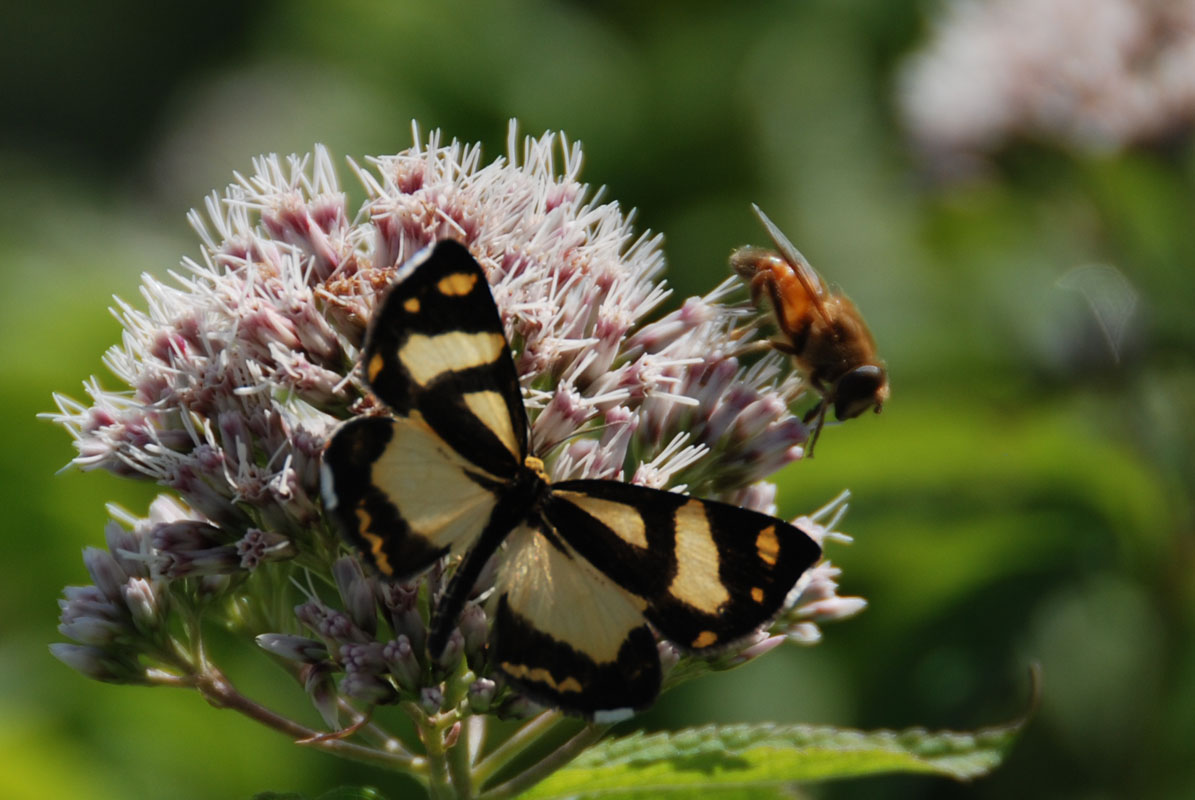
708 573
568 635
401 495
436 346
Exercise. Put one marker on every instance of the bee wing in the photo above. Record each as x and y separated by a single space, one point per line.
807 275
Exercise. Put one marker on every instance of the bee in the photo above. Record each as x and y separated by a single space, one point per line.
820 328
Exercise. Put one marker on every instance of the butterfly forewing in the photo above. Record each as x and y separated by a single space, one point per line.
437 346
409 488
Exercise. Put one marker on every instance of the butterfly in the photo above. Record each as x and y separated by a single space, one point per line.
587 567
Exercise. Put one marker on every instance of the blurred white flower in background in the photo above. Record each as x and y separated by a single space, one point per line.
1097 75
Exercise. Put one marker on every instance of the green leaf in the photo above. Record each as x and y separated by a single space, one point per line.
339 793
761 760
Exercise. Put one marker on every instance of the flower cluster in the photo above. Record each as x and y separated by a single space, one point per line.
1095 74
236 372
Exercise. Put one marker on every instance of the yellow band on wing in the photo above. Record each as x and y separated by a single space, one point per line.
698 582
541 675
428 357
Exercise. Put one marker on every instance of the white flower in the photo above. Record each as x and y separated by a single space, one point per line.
235 374
236 371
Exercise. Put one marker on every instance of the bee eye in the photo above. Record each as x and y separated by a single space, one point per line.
860 389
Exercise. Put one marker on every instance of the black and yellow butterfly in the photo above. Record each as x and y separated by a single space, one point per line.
588 564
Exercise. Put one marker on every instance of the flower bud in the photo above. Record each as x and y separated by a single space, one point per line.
367 688
331 625
187 564
187 535
92 630
431 699
765 644
833 609
366 657
293 648
405 620
86 601
257 546
403 664
105 573
452 735
454 648
357 594
125 547
142 602
97 663
805 633
481 695
473 625
318 683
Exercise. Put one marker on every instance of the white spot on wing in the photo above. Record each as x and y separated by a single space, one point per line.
327 487
613 715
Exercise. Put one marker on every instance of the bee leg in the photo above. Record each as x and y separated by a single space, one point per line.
761 282
757 346
782 344
818 412
751 348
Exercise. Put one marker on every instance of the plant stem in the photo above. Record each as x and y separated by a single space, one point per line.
546 766
439 782
521 739
220 692
379 736
458 762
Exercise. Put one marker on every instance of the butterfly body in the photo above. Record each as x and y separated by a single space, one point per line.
587 567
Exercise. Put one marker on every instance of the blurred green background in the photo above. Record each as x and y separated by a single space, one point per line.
1024 497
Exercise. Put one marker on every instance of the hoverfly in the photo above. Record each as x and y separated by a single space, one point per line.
820 328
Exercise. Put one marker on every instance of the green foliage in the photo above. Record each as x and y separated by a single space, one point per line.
758 760
339 793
